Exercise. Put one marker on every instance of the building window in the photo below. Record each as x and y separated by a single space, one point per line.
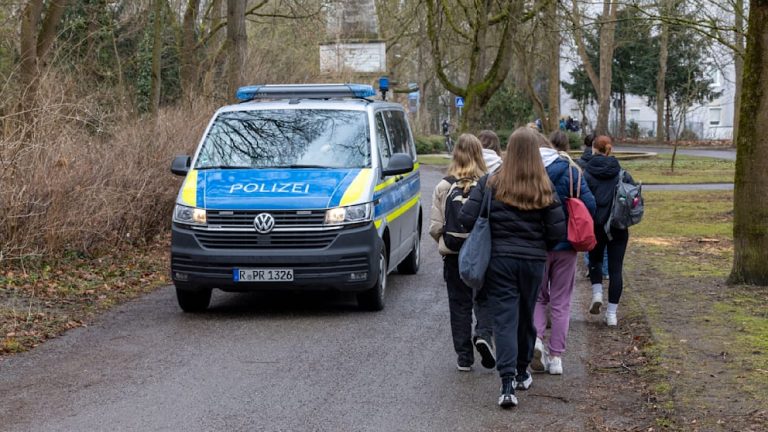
634 113
715 75
714 116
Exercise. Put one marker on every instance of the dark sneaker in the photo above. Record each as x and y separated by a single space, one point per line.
488 360
463 368
507 398
524 381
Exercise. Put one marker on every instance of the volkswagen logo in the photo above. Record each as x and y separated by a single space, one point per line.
264 223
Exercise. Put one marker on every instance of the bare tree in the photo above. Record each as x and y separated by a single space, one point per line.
481 31
39 23
750 209
157 50
600 81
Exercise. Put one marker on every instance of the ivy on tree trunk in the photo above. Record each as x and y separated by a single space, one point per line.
750 206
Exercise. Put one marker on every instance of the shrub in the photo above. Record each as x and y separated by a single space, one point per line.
65 188
428 144
574 140
688 135
633 129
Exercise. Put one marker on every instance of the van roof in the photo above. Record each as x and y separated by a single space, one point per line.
351 104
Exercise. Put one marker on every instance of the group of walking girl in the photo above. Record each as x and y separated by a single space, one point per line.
531 273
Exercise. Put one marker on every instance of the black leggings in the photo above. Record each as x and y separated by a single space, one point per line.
617 246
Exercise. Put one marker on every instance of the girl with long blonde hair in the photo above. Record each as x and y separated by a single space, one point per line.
466 168
526 220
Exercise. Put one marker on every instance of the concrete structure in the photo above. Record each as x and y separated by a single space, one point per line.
353 39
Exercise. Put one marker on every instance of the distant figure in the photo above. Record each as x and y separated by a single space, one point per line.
491 149
446 127
587 154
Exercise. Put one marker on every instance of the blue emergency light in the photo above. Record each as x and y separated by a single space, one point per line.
305 91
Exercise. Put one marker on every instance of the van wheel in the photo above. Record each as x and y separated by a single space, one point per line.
193 300
410 264
373 299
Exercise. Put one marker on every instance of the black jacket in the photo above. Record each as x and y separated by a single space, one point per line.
526 234
586 156
602 174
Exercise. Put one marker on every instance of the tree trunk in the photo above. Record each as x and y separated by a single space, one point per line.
661 77
157 50
622 133
28 71
738 64
480 84
668 121
553 78
607 46
750 208
189 63
237 42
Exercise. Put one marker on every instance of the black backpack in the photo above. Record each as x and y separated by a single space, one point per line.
454 233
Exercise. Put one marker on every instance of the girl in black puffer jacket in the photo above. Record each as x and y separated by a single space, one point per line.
526 220
602 174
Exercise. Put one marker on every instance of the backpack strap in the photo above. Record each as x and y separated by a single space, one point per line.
570 183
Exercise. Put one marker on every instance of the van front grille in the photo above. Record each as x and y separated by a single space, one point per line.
283 218
274 240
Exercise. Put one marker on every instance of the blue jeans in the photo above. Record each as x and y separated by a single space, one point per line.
605 262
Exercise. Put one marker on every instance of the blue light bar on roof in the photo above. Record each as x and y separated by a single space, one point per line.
304 91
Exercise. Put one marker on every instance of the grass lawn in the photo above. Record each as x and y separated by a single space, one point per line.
688 169
707 335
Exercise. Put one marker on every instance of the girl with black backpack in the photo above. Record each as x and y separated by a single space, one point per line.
467 166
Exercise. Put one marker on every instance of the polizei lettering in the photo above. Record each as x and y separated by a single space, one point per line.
291 188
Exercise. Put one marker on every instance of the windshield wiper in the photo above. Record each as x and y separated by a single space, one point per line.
223 167
308 166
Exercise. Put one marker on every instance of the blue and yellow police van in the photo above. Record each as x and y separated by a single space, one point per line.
298 187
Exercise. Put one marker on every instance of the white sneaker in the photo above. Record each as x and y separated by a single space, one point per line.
597 303
611 320
539 361
555 365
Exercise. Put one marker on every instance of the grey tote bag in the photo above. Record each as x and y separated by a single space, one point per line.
475 254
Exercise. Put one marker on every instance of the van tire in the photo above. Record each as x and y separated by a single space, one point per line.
410 264
192 301
373 298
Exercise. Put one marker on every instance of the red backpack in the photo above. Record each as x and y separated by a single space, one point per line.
581 229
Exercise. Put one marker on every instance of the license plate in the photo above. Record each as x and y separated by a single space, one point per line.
263 275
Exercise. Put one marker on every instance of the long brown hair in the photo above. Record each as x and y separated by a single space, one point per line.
467 161
522 181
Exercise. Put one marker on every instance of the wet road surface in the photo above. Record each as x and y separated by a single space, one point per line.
282 362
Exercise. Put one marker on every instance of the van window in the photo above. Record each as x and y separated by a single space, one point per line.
399 136
287 139
383 142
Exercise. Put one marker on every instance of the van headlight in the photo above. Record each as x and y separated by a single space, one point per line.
189 215
349 215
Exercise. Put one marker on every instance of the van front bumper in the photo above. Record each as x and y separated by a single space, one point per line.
338 266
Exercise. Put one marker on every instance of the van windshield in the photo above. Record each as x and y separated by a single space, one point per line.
300 138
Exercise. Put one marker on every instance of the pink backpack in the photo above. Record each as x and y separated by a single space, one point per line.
581 229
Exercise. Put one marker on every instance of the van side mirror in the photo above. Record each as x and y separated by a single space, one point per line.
180 165
400 163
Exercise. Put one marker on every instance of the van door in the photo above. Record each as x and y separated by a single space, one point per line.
406 187
386 192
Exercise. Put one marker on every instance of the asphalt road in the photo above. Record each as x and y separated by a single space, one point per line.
717 154
281 362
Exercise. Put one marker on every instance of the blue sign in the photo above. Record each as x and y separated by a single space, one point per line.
459 102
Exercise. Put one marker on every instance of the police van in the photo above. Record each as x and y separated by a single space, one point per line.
298 187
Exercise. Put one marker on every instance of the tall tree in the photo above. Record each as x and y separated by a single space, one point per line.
39 23
662 76
481 31
600 80
237 40
750 208
157 50
553 42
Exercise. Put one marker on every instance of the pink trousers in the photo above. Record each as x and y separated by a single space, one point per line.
555 299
